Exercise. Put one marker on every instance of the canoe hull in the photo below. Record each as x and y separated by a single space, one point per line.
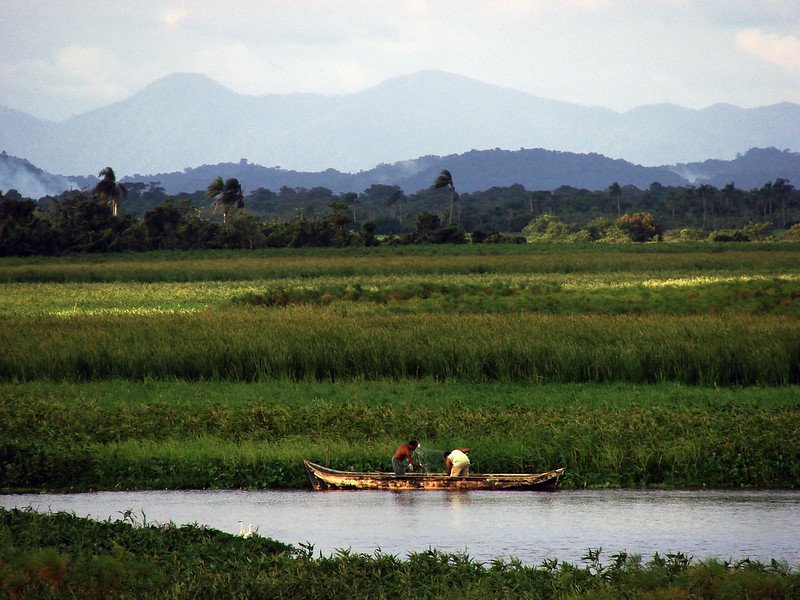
323 478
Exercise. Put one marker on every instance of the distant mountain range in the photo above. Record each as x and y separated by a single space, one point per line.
189 120
472 171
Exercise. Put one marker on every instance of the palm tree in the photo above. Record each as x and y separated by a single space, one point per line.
445 179
108 190
226 196
615 191
393 202
706 193
215 188
782 188
729 194
351 199
766 192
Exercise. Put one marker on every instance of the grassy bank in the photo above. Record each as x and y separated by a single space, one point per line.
63 556
155 434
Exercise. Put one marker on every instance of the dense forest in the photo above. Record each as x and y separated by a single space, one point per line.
139 216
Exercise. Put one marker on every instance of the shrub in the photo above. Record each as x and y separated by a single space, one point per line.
547 227
641 227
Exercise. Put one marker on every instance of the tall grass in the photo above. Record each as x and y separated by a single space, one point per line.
312 343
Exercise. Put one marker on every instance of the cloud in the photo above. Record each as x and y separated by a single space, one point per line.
172 16
89 64
774 14
234 65
780 50
249 70
68 56
71 78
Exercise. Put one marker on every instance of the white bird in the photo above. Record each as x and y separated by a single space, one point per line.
249 532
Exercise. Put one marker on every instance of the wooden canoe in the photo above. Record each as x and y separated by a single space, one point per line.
323 478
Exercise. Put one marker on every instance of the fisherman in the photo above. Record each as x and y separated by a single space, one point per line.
456 462
404 452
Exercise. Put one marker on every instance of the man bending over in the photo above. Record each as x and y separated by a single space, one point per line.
456 462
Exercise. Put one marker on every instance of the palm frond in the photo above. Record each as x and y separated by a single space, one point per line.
215 188
107 174
445 179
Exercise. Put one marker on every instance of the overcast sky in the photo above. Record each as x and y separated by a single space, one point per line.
61 57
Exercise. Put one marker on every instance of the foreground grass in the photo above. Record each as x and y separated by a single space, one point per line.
63 556
155 434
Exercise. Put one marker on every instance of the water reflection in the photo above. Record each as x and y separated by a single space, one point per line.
529 526
456 499
404 499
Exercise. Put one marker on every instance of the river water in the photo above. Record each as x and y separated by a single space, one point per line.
531 526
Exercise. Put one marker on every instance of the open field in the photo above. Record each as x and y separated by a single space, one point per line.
557 279
602 293
549 258
648 365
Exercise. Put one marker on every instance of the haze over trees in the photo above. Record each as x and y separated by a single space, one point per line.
477 170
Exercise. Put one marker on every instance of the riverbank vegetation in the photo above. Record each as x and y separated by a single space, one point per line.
64 556
176 434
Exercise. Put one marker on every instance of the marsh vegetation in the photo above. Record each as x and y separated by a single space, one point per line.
643 366
651 365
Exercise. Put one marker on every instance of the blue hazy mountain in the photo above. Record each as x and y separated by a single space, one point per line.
187 120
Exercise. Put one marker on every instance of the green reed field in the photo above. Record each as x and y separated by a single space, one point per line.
650 365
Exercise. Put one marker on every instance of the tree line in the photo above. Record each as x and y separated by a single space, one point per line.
116 217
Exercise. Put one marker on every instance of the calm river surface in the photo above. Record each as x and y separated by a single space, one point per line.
759 525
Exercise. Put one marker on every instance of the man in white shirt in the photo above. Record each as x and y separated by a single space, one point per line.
456 462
